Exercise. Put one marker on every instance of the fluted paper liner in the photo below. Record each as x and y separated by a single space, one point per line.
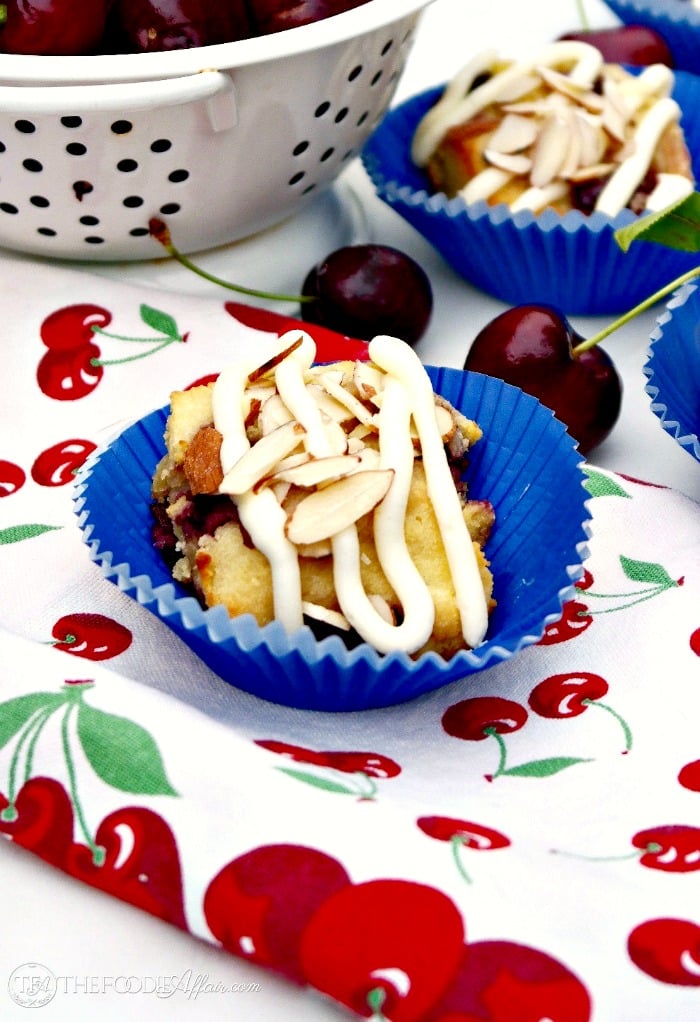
672 368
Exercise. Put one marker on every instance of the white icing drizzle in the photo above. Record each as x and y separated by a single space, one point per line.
620 187
584 63
400 361
407 393
260 513
396 451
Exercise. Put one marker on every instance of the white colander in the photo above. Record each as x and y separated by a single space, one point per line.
219 142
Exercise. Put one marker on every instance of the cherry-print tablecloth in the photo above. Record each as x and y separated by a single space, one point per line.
518 847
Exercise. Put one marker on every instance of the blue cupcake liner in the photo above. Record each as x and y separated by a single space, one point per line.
676 20
672 369
526 464
570 261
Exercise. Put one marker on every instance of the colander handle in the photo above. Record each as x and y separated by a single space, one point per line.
211 85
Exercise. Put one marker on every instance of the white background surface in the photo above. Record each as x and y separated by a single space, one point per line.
92 939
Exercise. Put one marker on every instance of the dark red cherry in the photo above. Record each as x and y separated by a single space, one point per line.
154 25
626 44
365 290
533 347
276 15
52 27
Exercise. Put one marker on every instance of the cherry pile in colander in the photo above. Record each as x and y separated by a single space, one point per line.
76 28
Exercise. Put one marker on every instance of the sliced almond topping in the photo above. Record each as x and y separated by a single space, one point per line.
202 464
363 429
445 423
327 511
572 158
316 471
592 138
369 457
275 478
540 107
334 409
513 134
266 367
281 491
259 459
355 445
516 86
335 435
368 380
549 151
593 172
615 115
516 163
382 608
344 397
329 617
564 85
315 551
273 413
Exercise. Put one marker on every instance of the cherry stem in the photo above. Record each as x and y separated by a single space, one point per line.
160 232
591 342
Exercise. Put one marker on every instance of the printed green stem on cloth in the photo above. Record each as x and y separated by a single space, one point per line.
655 575
364 787
132 358
457 843
31 747
652 848
159 321
28 736
626 730
375 1002
98 853
533 768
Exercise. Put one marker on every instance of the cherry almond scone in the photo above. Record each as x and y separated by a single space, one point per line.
331 495
564 130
